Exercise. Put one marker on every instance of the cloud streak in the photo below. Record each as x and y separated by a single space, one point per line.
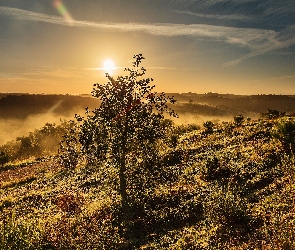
58 73
258 41
215 16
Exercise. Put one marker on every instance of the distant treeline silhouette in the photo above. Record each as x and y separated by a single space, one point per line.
21 106
248 103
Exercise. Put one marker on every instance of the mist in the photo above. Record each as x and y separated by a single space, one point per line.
10 129
199 119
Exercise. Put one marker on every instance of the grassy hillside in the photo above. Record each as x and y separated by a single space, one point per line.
226 185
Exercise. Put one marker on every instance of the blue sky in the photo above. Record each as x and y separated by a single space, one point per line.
233 46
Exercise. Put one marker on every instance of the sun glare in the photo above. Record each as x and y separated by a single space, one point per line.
109 66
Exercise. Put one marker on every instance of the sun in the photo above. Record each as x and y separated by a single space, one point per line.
108 66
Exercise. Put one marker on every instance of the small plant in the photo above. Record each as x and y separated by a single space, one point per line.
208 125
4 158
274 114
285 132
239 119
214 170
18 235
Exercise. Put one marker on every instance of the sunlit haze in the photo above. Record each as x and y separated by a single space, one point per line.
224 46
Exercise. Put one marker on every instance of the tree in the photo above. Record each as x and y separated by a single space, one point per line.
124 129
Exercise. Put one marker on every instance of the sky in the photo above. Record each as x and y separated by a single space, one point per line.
224 46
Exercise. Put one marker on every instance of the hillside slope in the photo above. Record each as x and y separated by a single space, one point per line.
225 186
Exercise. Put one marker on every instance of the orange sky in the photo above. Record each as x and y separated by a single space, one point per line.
240 47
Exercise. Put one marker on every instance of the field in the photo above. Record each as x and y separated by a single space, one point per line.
218 185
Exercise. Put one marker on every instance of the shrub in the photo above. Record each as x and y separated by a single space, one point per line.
4 158
239 119
285 132
208 125
39 143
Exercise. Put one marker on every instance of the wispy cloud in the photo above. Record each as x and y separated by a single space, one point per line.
10 81
258 41
29 15
289 78
216 16
103 69
147 67
59 73
262 12
202 4
283 77
170 68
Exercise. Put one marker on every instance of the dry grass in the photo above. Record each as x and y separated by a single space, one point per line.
233 189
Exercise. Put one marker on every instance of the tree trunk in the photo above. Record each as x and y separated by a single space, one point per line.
122 175
123 184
